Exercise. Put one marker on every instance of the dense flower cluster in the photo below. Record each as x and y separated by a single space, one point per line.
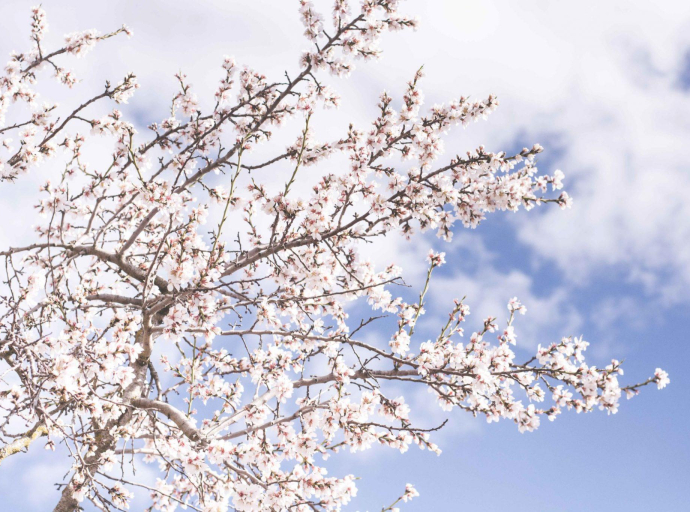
234 360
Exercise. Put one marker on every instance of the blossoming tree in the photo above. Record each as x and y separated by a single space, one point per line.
187 303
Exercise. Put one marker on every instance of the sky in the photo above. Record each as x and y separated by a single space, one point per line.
605 88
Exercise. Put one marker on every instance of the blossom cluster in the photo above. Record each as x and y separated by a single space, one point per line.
190 300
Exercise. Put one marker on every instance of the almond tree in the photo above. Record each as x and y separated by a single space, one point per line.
188 303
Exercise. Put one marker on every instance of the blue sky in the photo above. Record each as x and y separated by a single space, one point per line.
608 96
638 459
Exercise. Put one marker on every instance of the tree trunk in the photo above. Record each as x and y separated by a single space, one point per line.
67 501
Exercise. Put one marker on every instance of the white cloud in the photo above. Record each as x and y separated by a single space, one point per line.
605 86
